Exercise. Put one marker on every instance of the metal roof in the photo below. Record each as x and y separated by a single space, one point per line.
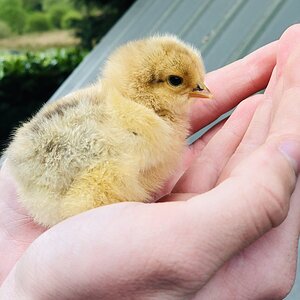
224 30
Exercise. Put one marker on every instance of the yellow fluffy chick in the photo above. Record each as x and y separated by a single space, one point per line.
117 140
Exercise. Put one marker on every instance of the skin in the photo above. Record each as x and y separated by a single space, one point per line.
228 230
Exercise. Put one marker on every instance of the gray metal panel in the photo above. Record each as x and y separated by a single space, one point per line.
288 14
241 29
224 30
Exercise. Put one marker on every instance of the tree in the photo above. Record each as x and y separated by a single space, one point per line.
5 30
98 17
38 22
33 5
47 4
57 12
13 14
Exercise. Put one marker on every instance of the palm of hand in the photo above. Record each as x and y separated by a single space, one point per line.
221 151
247 272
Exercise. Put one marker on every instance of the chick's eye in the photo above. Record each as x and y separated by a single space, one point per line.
175 80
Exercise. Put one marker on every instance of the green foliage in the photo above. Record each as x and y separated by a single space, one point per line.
38 22
5 30
33 5
28 80
70 19
47 4
13 14
91 19
98 17
57 13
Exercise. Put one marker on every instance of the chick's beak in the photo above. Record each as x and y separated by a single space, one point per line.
200 91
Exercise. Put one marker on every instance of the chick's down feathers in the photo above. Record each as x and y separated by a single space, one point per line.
117 140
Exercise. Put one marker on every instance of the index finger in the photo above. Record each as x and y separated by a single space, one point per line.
233 83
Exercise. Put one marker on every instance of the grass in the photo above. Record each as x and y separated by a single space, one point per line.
40 41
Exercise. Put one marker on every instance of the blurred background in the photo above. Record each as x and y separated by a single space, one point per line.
41 42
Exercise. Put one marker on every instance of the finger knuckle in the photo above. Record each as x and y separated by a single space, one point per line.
274 202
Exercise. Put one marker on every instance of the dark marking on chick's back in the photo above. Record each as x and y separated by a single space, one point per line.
50 146
48 114
59 109
35 127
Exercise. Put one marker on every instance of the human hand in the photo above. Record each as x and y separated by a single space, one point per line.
173 249
265 269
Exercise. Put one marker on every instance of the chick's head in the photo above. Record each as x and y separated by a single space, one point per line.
161 72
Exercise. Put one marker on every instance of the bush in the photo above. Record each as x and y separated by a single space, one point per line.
33 5
12 12
70 19
56 13
38 22
5 30
28 80
47 4
98 17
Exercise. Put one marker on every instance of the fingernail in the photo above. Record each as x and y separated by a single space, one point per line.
291 151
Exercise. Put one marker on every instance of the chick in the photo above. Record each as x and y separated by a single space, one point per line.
117 140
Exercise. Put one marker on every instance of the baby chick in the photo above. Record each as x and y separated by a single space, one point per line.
117 140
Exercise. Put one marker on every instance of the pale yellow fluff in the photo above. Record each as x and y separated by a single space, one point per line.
117 140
